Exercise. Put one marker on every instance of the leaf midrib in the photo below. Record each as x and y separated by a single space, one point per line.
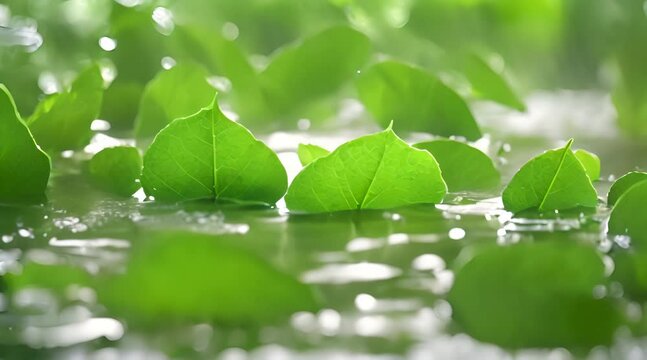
213 147
567 148
377 169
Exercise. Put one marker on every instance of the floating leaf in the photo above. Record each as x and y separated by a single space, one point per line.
488 84
24 168
207 156
415 101
314 68
378 171
62 121
623 184
628 215
534 295
554 180
178 92
165 279
464 167
591 163
117 170
309 153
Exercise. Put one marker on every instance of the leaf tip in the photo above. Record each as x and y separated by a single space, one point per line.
390 127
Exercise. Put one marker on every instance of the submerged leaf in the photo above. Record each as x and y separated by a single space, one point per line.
378 171
165 279
534 295
488 84
178 92
623 184
415 101
591 163
117 170
309 153
628 215
554 180
62 121
464 167
24 168
207 156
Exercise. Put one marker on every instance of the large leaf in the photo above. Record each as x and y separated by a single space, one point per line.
178 92
464 167
24 168
554 180
623 184
117 170
308 153
534 295
628 215
376 171
62 121
316 67
209 156
415 100
200 277
489 84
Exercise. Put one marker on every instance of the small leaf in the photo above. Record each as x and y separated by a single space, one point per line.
623 184
62 121
464 167
309 153
199 277
415 101
314 68
591 163
207 156
488 84
178 92
24 168
378 171
534 295
117 170
554 180
628 215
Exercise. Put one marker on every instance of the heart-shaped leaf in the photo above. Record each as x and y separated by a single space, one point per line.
209 156
623 184
117 170
378 171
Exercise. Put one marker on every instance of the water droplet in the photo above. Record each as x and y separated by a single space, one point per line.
48 83
168 62
304 321
7 239
456 233
429 262
398 239
163 19
67 154
100 125
130 3
329 321
107 44
303 124
26 233
230 31
221 83
365 302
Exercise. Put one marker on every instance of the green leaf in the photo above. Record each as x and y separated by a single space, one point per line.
490 85
62 121
178 92
207 156
117 170
623 184
415 100
199 277
554 180
378 171
24 168
628 215
534 295
316 67
309 153
464 167
591 163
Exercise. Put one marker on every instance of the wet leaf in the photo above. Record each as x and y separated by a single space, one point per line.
415 101
117 170
623 184
463 166
488 84
534 295
181 91
24 168
165 279
628 215
378 171
62 121
591 163
309 153
554 180
207 156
